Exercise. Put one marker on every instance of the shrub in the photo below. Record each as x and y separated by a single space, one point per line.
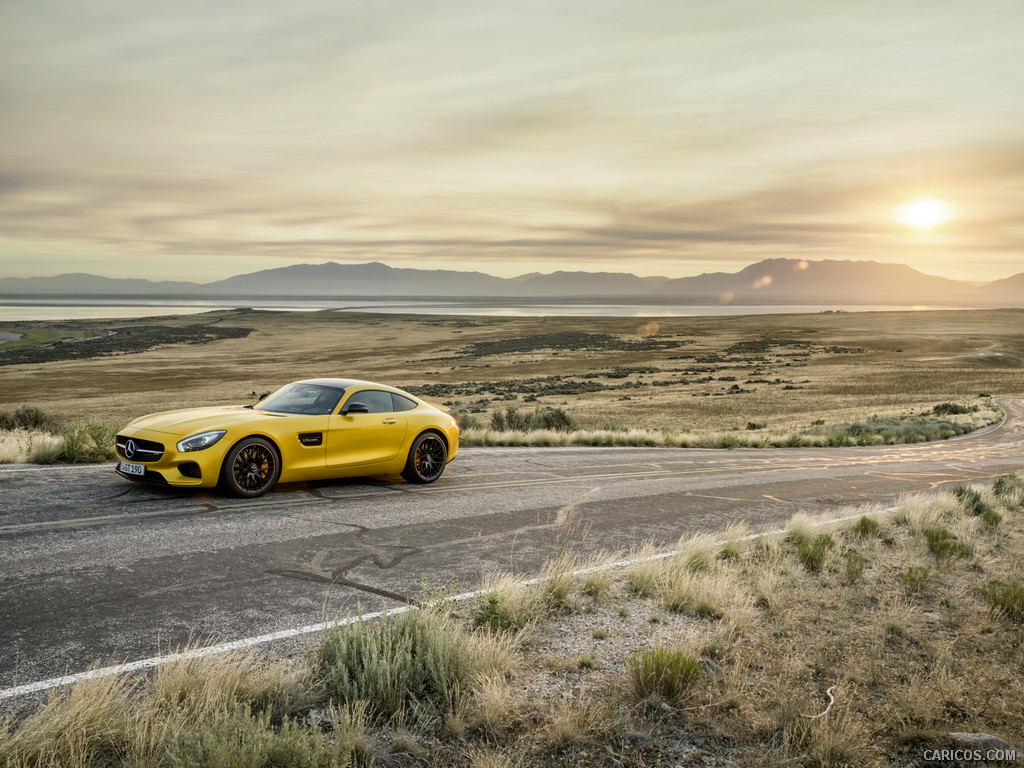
1009 489
662 673
812 552
866 527
514 420
991 518
915 578
949 409
1006 597
418 665
26 417
89 442
855 565
970 500
466 419
943 543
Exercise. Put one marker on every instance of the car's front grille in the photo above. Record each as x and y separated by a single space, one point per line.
135 449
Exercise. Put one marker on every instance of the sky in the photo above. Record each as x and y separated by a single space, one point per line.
198 139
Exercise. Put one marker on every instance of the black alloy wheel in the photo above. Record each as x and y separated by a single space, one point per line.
251 468
427 459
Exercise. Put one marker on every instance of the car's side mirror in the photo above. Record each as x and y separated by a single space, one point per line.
354 408
263 396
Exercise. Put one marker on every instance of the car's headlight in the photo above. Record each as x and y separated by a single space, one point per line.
200 441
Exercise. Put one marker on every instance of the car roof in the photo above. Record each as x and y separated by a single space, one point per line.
347 383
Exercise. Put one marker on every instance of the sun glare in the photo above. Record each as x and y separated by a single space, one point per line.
923 213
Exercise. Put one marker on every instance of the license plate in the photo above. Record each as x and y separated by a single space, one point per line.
133 469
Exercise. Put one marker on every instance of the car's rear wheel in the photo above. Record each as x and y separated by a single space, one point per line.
427 458
251 468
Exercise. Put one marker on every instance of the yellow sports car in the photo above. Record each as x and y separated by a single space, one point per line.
308 430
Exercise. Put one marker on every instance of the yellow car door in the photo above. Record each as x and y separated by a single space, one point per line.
365 430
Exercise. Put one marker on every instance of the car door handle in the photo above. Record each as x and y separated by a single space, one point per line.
390 421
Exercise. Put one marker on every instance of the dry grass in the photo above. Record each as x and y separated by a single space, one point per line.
728 658
840 368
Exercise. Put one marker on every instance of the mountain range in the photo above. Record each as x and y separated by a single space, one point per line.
789 281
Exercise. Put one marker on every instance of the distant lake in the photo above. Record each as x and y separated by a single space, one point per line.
65 308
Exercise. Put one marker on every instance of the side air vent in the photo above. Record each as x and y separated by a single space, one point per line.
311 438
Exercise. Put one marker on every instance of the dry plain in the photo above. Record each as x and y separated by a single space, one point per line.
757 374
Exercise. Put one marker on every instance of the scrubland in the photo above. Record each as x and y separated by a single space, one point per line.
764 380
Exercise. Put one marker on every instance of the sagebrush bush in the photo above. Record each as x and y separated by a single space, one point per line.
970 500
27 417
812 552
416 666
915 578
88 442
548 417
943 543
1006 597
855 564
866 527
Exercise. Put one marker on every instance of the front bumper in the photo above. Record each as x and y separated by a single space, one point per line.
192 469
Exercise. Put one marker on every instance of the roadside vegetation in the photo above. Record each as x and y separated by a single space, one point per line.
29 434
850 640
33 435
555 426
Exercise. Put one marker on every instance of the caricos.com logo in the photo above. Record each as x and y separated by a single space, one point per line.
971 755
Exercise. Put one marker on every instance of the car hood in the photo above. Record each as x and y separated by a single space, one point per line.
191 420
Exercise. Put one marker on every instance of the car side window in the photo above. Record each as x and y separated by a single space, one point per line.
375 400
402 403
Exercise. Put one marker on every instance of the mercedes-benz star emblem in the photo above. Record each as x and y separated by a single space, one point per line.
129 449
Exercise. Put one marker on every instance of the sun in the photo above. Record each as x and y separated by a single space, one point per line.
923 213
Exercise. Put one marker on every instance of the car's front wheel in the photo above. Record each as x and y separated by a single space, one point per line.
427 458
251 468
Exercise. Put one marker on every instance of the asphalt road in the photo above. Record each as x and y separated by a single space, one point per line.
96 569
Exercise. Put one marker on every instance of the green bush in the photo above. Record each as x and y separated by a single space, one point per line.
466 419
913 429
950 409
26 417
971 501
812 552
866 527
855 565
729 442
915 578
662 673
1006 597
416 666
514 420
943 543
88 442
991 518
236 738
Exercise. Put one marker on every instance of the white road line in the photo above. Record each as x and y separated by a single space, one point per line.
58 467
286 634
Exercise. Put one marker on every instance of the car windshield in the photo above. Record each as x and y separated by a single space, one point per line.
311 399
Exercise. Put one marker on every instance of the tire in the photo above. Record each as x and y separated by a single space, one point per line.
251 468
427 458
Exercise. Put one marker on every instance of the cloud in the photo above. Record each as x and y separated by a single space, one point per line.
569 133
